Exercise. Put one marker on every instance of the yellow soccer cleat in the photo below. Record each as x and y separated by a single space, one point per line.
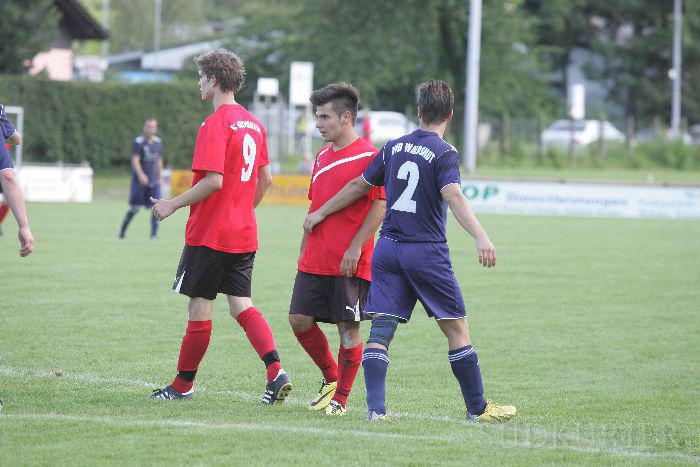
495 413
377 417
335 408
325 394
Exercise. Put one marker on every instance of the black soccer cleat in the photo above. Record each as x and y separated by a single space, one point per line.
278 389
169 394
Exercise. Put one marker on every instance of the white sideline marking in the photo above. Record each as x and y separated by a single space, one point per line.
555 436
125 422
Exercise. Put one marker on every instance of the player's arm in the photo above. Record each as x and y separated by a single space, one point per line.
15 198
304 239
212 181
138 170
15 139
264 182
160 170
453 196
375 215
357 188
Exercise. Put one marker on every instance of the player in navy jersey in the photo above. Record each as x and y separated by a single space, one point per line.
420 175
10 136
10 187
146 171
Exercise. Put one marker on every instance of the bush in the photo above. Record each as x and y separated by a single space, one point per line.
667 154
77 122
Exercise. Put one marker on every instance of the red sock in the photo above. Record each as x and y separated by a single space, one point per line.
349 360
314 341
194 346
260 336
3 210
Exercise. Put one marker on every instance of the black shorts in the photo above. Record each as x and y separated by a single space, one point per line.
329 299
204 272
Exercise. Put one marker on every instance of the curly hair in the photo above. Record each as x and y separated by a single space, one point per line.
435 101
343 96
226 66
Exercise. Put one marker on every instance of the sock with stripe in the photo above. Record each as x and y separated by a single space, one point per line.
465 366
260 336
314 341
194 346
375 363
348 363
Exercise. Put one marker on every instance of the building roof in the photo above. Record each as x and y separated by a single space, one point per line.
79 23
166 59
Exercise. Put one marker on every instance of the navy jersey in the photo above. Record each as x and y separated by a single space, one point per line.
413 169
149 154
6 125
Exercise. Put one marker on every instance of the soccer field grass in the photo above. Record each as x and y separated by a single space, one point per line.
591 327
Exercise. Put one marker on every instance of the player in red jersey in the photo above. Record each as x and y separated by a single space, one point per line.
333 274
231 175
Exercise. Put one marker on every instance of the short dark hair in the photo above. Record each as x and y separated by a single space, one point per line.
435 101
226 66
343 96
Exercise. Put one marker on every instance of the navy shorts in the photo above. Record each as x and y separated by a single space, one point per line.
141 195
404 272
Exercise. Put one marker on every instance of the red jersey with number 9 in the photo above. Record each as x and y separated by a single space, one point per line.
233 143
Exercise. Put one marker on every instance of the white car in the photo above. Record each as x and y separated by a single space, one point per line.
558 134
385 125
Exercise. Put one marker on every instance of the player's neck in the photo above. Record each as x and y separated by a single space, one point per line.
439 128
344 140
222 98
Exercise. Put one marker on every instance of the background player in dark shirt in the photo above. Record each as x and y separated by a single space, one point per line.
146 171
420 175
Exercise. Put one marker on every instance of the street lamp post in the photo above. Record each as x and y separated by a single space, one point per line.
471 94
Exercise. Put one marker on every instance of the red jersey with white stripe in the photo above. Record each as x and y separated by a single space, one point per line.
233 143
329 240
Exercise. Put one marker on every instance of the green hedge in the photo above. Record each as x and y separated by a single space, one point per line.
75 122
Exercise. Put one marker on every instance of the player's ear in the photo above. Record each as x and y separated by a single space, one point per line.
451 116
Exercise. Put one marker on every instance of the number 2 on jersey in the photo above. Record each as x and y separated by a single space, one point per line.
407 171
249 150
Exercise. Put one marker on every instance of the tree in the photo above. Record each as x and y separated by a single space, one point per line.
636 41
387 48
690 103
28 27
562 26
132 23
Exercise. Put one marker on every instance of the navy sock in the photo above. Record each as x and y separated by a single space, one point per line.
375 363
129 215
465 366
154 225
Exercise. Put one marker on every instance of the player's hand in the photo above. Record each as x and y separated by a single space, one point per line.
143 180
162 208
348 266
312 220
487 252
26 241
